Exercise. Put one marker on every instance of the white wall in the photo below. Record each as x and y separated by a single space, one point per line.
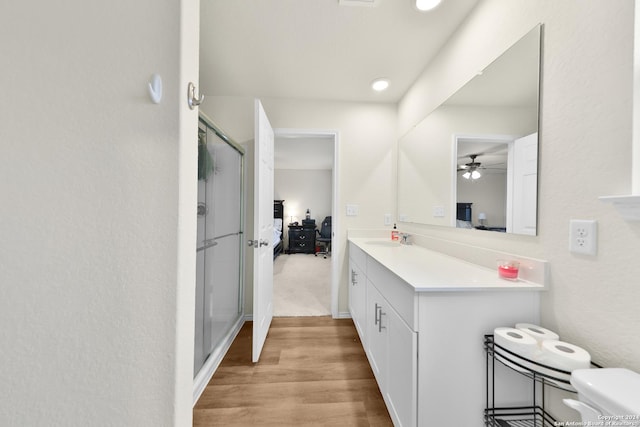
488 195
302 190
585 152
97 299
366 154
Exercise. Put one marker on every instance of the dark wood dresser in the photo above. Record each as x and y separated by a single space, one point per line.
302 239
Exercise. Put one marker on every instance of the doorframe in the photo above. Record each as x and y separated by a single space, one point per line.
335 219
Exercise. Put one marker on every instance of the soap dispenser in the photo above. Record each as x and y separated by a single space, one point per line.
395 234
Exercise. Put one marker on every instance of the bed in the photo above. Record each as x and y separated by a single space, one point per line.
278 216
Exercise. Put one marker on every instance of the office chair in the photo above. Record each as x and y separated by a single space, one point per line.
325 237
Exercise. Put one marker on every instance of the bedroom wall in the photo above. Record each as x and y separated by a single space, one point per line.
585 152
302 189
488 195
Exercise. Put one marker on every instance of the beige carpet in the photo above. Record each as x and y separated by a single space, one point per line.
301 285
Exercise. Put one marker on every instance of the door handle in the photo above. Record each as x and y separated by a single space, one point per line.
257 243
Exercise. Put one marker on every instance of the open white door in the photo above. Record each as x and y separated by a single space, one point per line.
263 230
524 191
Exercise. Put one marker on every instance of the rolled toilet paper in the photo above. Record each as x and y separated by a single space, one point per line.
538 332
518 342
564 356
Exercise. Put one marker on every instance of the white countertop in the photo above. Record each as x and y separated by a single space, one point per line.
431 271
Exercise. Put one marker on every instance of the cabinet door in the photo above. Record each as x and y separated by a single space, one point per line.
358 300
377 310
402 370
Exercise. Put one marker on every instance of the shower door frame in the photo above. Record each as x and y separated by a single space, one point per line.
213 359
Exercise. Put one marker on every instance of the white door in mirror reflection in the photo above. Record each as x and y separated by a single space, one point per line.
522 214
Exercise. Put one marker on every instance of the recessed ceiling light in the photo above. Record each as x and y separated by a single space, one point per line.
425 5
380 84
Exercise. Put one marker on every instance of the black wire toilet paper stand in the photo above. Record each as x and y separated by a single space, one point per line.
534 415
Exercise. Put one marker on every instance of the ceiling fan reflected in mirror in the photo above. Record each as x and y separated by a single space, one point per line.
472 169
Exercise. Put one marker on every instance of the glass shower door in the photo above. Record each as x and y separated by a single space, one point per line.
219 262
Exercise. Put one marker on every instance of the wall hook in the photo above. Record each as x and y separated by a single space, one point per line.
155 88
192 100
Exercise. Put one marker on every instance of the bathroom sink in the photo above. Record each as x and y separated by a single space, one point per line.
386 243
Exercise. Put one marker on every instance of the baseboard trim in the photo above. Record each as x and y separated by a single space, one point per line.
343 315
213 361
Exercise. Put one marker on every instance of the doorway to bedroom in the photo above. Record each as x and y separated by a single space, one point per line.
304 192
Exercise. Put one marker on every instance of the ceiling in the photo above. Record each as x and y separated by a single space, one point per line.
303 152
319 49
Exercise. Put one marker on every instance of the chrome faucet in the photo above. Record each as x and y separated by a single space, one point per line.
404 238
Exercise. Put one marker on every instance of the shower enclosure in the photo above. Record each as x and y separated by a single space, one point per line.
219 284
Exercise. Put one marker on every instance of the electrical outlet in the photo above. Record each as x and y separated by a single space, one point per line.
438 211
583 236
387 219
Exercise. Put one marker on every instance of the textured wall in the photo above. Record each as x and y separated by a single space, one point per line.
90 325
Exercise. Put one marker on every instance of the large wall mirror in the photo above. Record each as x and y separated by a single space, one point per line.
472 162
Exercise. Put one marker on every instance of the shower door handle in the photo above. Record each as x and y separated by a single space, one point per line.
206 244
253 243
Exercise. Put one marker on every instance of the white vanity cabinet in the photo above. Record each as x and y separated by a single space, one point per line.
390 343
423 332
393 354
377 334
357 290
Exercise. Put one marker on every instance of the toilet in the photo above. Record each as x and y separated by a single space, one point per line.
607 394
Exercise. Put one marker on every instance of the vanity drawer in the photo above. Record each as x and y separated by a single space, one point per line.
400 295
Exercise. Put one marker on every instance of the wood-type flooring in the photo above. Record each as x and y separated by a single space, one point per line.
312 372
